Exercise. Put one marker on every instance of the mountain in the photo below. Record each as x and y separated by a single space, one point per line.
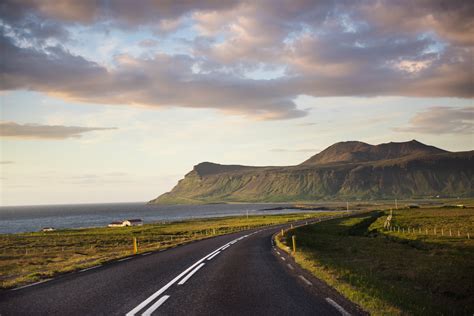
345 170
352 151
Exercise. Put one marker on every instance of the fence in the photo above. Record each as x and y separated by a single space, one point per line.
429 231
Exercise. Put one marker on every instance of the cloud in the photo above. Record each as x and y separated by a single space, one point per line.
148 43
324 48
36 131
6 162
442 120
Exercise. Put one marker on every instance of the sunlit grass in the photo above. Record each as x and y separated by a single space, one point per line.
391 273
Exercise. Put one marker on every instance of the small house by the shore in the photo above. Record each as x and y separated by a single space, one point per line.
127 222
116 224
133 222
48 229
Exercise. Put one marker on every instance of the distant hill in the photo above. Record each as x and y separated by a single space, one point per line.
345 170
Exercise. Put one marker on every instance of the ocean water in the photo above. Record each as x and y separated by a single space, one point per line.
16 219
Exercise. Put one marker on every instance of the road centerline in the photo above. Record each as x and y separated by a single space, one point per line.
169 284
190 274
153 307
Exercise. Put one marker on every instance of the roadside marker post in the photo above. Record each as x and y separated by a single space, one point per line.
135 245
293 238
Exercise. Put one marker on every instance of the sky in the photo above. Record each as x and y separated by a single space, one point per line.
115 101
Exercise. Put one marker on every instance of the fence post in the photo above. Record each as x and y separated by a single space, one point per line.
450 234
282 232
135 245
442 232
294 243
459 234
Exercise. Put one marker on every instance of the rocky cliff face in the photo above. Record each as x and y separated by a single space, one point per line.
347 170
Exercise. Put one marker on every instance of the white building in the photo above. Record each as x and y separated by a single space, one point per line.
116 224
133 222
127 222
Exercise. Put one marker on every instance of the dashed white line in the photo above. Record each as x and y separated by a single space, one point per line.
278 252
190 274
169 284
147 253
32 284
290 266
305 280
210 258
87 269
153 307
338 307
124 259
282 258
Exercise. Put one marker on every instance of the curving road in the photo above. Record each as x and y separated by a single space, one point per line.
237 274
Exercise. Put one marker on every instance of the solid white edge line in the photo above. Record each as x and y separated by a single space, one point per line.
210 258
147 253
338 307
125 259
87 269
190 274
153 307
290 266
164 288
28 285
305 280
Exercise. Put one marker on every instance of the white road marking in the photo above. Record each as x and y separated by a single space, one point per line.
164 288
210 258
147 253
290 266
278 252
87 269
32 284
124 259
305 280
282 258
225 247
156 305
338 307
190 274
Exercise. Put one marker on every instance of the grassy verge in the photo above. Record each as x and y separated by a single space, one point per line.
30 257
391 272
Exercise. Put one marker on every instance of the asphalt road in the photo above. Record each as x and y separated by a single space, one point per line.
237 274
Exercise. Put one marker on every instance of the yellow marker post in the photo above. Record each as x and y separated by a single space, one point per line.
282 232
294 243
135 245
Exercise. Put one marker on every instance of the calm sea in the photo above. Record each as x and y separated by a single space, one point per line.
15 219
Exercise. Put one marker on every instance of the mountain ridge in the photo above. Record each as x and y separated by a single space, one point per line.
347 170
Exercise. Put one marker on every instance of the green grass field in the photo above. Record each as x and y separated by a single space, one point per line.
29 257
395 273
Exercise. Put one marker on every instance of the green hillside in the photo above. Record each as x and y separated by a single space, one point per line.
363 171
